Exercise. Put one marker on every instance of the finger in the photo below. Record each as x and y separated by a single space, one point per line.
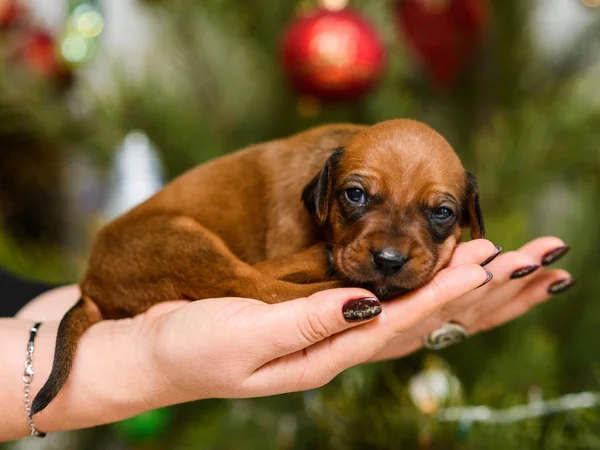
318 364
287 327
508 263
475 251
512 270
534 293
551 247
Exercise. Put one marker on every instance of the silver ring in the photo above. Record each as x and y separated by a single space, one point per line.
449 334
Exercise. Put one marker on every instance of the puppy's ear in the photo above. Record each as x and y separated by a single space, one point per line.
317 192
472 216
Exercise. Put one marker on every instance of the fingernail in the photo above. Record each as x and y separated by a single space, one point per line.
561 286
554 255
360 309
493 257
490 275
524 271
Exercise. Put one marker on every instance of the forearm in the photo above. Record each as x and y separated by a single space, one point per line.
111 378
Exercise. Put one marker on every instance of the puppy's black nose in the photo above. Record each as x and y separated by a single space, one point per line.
388 261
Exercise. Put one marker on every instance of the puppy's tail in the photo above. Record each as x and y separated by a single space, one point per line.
72 326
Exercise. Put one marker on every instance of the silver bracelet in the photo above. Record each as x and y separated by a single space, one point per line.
28 378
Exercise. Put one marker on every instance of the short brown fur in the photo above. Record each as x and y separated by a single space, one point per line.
236 226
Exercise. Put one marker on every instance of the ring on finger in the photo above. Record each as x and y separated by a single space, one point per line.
448 334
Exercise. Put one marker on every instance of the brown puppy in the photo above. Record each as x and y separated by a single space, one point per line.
381 207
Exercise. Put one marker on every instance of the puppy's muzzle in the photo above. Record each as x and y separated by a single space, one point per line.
388 261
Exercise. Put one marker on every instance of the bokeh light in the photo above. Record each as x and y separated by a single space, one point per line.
86 20
76 48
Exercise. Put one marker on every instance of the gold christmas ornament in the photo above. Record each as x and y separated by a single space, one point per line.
334 5
434 388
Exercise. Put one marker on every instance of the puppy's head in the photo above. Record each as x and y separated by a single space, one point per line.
392 204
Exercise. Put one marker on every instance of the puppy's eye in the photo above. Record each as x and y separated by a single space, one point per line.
442 214
356 195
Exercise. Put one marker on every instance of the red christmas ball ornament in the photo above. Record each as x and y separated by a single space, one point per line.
443 34
332 55
10 12
36 50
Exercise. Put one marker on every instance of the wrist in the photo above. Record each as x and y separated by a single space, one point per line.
109 381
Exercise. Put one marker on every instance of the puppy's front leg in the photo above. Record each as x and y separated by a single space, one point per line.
309 266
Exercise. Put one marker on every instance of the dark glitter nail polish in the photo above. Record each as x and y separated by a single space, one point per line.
524 271
554 255
360 309
490 275
493 257
561 286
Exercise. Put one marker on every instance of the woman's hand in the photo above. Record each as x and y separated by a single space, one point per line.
233 347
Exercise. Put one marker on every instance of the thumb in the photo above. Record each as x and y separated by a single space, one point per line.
294 325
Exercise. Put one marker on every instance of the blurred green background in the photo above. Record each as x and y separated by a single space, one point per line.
523 113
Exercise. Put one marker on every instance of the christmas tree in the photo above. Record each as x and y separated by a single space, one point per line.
512 84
